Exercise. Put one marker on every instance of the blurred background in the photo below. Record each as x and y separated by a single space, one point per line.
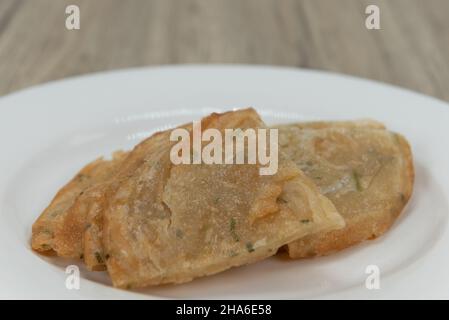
411 49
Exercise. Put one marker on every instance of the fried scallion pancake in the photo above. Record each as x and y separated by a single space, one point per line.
366 171
48 223
152 222
289 199
170 223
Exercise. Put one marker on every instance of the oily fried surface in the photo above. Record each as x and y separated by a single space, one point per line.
48 223
366 171
168 223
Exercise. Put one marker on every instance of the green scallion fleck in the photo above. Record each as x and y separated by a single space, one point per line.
46 247
249 247
179 234
356 178
99 257
233 254
232 225
281 200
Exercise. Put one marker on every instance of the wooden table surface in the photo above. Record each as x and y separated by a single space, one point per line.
410 50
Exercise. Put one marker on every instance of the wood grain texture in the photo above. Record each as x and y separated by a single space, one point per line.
411 49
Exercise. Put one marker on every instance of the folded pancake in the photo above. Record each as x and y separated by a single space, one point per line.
365 170
166 223
46 226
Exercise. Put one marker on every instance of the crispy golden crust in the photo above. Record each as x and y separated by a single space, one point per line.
69 232
409 172
367 173
44 228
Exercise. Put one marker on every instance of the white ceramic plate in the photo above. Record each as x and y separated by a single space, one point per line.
48 132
